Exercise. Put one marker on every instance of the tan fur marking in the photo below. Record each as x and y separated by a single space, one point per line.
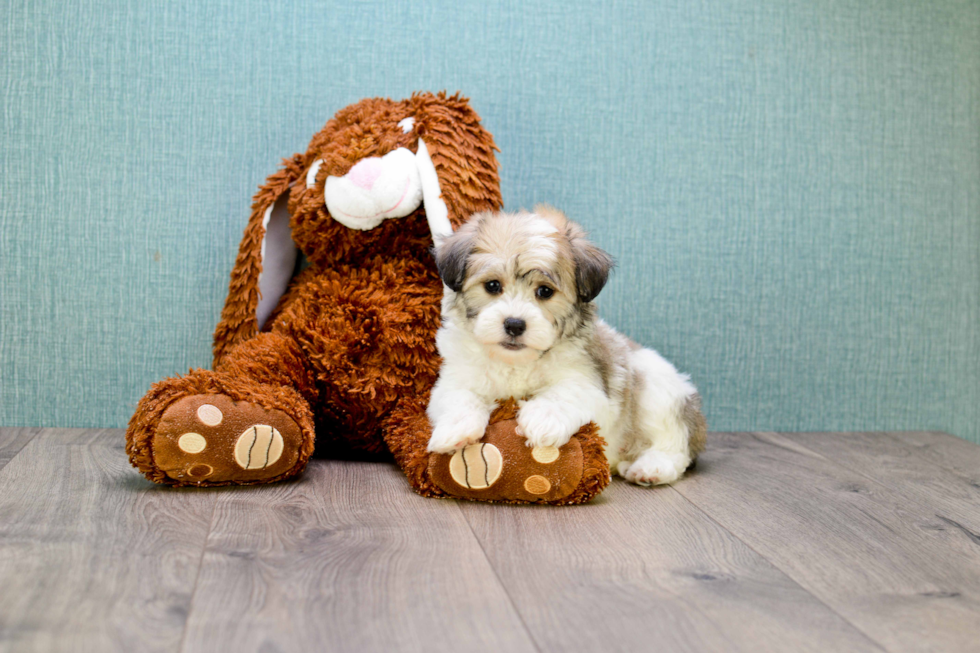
697 426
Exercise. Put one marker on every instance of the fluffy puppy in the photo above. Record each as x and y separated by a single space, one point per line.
518 321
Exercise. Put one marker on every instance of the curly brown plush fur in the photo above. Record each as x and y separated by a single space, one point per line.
349 351
461 151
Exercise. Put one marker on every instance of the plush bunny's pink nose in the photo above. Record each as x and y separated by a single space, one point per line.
365 173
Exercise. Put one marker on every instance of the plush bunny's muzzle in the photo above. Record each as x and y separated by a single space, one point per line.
381 188
375 189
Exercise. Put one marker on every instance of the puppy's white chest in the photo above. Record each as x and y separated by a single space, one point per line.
515 381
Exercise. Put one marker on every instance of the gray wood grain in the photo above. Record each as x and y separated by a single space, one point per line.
93 557
910 472
643 569
889 566
347 559
12 440
828 542
952 454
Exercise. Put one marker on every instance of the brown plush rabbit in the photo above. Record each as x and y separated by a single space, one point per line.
345 349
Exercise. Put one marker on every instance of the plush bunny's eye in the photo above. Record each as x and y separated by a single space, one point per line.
493 287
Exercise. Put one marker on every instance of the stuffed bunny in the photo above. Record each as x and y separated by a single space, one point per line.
344 351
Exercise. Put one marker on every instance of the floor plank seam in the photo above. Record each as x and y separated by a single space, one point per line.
197 574
513 605
874 642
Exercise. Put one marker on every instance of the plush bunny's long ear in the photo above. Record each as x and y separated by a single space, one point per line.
265 263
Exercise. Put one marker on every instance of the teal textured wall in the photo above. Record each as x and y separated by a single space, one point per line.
792 188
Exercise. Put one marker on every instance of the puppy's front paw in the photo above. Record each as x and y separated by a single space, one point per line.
456 430
545 424
655 468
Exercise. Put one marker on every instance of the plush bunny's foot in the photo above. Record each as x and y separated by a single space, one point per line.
502 467
214 438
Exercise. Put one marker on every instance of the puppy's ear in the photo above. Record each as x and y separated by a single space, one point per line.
452 253
592 266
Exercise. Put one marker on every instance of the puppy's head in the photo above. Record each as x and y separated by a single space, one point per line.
521 282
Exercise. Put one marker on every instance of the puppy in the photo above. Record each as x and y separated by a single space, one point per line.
518 321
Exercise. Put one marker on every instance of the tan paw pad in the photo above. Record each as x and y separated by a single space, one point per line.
210 415
258 447
545 455
200 471
477 466
537 484
192 443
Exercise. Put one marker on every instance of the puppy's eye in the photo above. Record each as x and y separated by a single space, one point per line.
544 292
492 287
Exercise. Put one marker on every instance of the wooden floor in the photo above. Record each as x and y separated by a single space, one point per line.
777 542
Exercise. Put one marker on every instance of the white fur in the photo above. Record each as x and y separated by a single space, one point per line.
663 448
558 383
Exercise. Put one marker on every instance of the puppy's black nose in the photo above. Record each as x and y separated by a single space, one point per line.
514 326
